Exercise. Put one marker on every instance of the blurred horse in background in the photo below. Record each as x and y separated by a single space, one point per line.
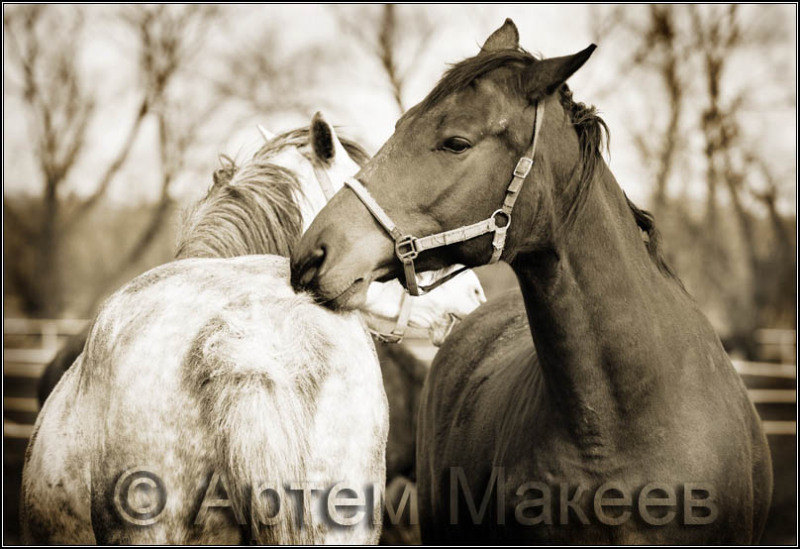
223 368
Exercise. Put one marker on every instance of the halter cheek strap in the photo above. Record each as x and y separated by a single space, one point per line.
324 181
400 329
407 247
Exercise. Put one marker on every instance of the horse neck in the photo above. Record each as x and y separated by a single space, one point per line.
590 295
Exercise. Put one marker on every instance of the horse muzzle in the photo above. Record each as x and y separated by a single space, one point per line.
335 260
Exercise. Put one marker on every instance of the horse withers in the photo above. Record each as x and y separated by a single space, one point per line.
596 407
202 380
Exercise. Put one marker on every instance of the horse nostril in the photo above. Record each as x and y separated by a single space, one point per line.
311 267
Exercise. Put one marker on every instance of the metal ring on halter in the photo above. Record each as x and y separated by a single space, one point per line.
500 212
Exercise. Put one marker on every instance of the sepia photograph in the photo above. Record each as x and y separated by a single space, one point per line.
399 274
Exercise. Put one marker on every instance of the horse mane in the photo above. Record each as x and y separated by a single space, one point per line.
253 212
251 209
646 223
592 131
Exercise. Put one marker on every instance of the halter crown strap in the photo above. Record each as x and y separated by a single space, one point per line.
373 207
521 171
407 247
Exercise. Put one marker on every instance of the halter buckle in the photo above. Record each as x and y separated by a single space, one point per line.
523 167
405 248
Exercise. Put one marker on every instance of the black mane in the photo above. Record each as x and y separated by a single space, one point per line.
647 224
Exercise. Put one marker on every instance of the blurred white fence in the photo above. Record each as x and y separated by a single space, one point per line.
30 344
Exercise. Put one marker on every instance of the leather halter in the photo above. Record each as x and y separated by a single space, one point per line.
394 331
407 247
400 328
324 181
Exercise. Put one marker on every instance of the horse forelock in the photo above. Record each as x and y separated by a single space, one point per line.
462 74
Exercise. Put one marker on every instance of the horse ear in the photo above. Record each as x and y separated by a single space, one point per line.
266 134
324 141
223 175
546 76
504 38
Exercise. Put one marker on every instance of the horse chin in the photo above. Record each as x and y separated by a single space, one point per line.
354 297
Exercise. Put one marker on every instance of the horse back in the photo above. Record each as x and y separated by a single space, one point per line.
214 375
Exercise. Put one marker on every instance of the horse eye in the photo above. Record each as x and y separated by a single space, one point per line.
456 145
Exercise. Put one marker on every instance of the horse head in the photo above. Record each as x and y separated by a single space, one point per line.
321 169
440 191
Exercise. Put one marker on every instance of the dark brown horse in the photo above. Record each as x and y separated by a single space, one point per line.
564 406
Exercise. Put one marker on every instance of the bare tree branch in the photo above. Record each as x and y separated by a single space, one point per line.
111 170
380 35
43 45
769 198
660 50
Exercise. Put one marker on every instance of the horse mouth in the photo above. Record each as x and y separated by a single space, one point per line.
351 298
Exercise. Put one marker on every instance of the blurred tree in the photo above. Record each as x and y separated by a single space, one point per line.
267 80
395 40
43 45
717 34
732 157
660 50
693 51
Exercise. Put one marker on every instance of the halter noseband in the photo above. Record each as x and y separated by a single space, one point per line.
400 328
407 247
